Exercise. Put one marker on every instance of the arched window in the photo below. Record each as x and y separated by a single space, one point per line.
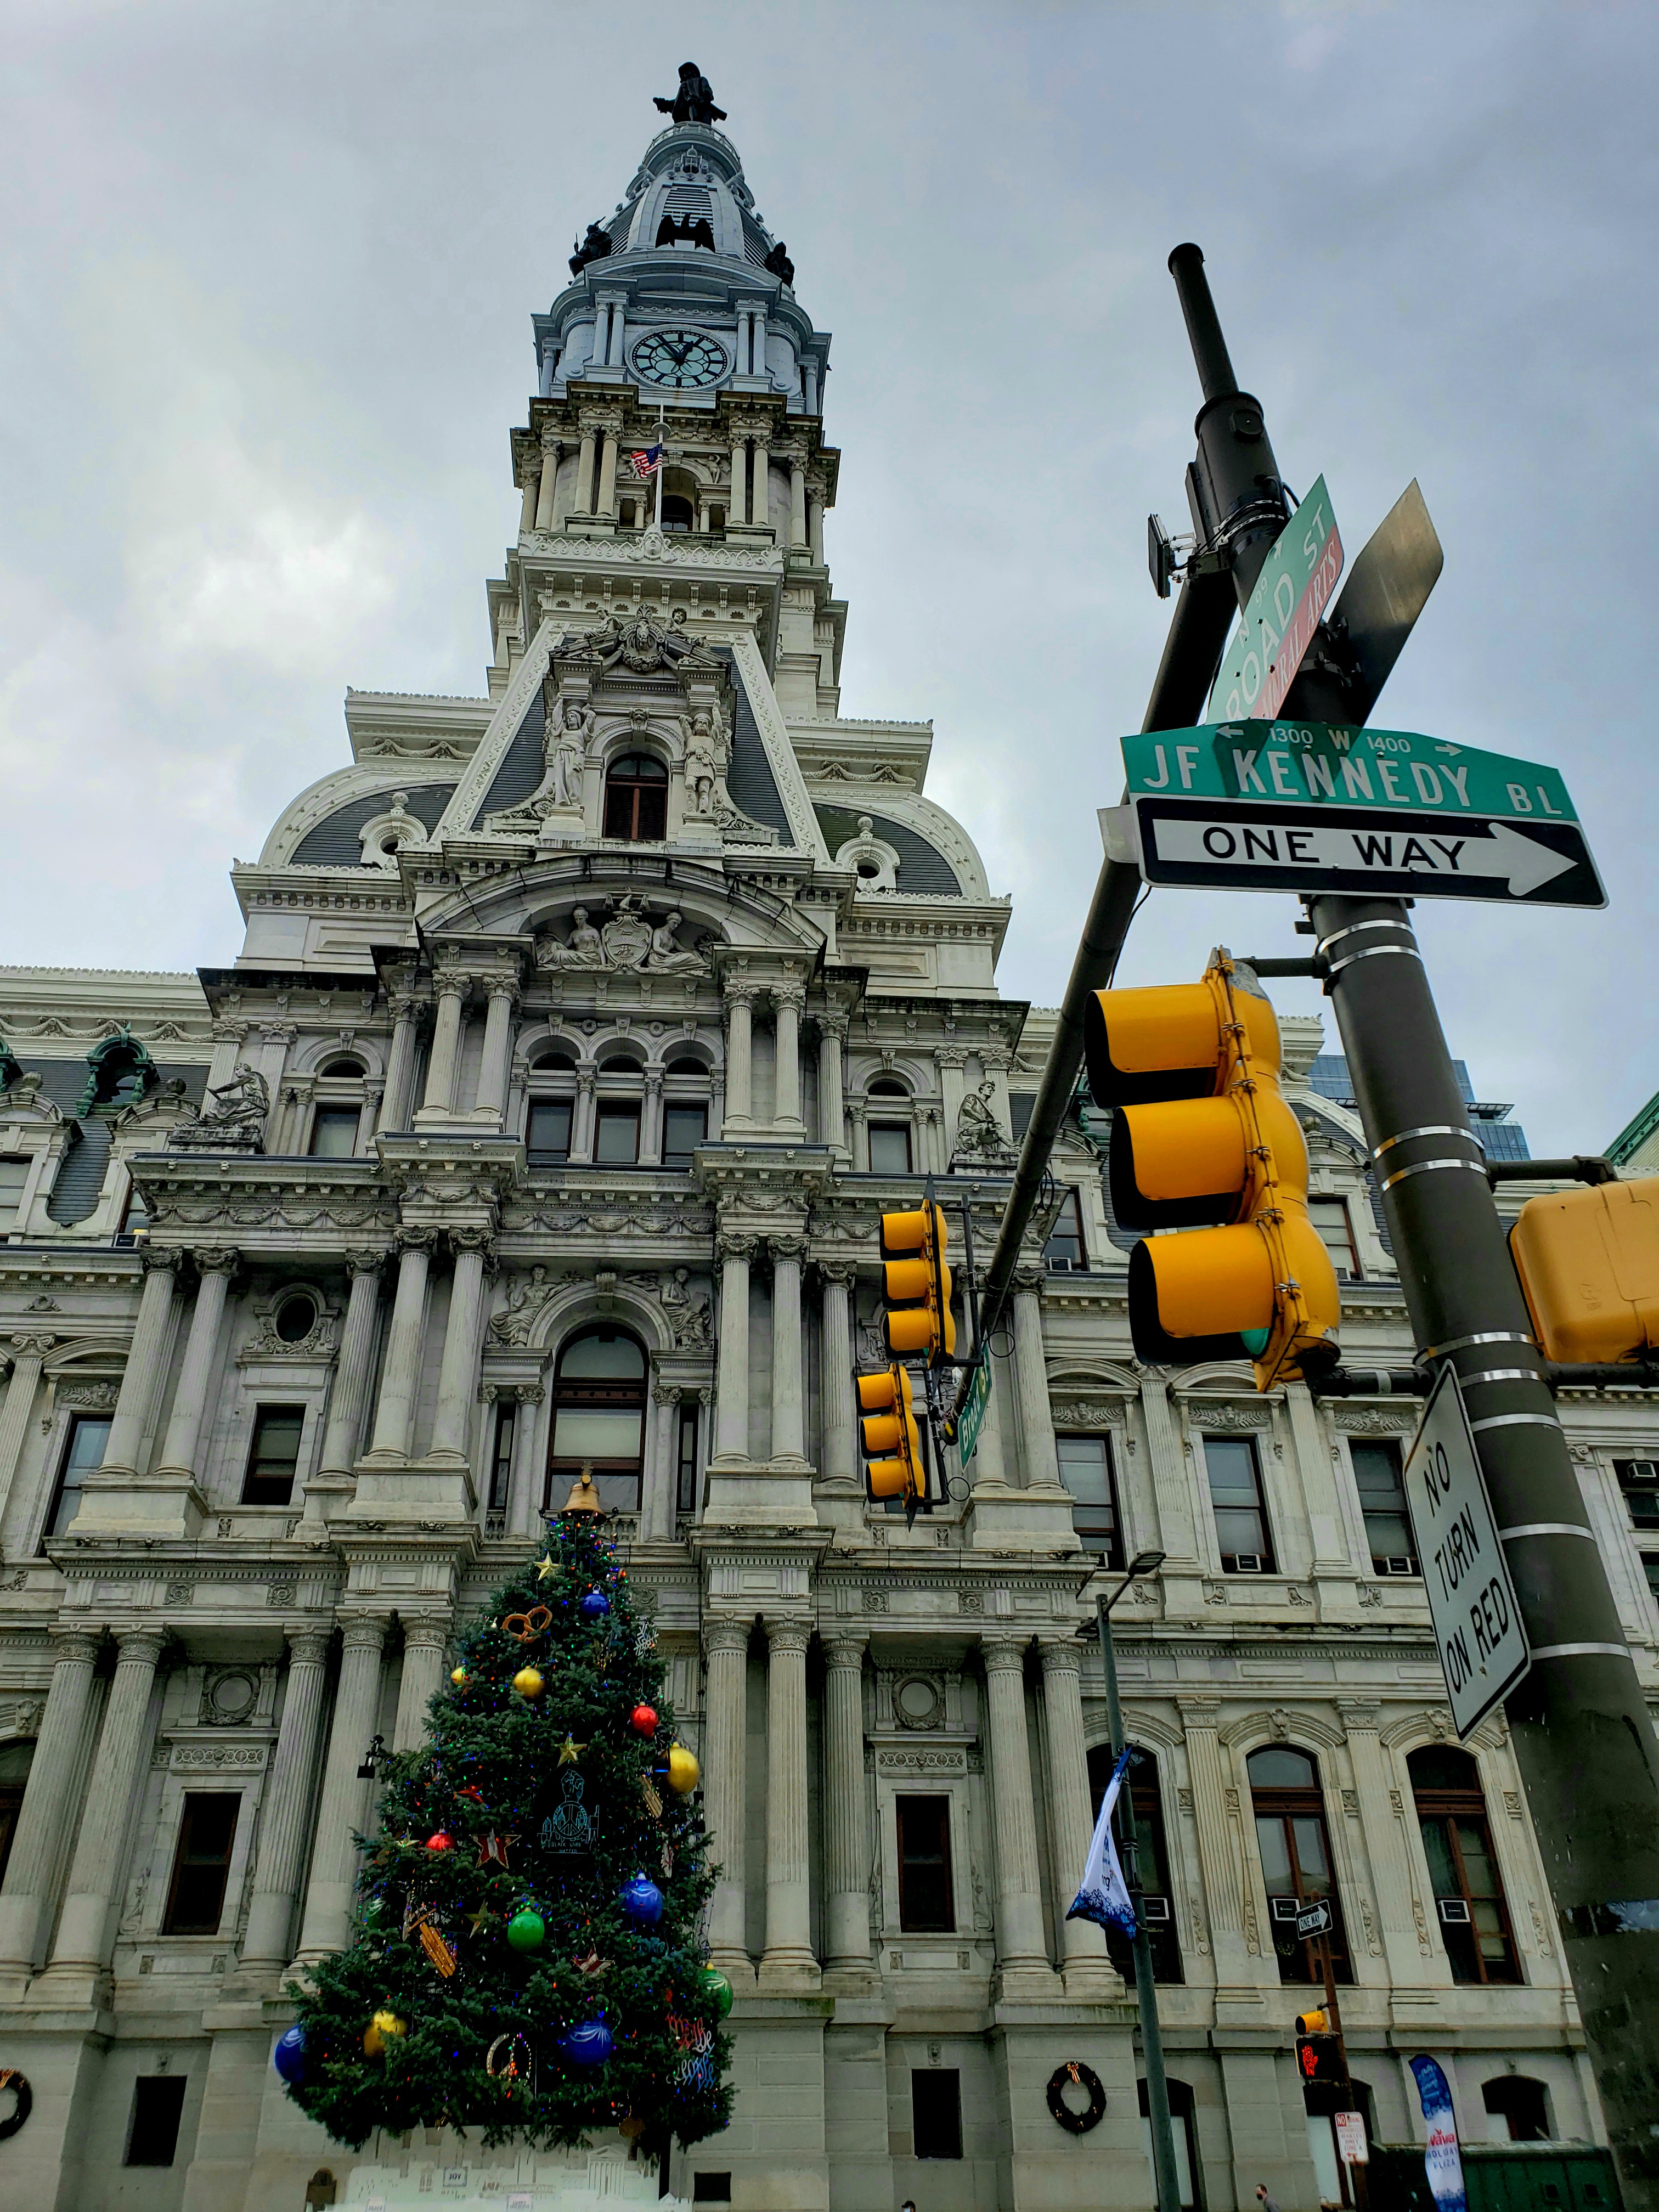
685 1096
598 1419
336 1117
1296 1860
551 1110
1451 1814
677 513
637 798
1153 1863
890 1135
1517 2109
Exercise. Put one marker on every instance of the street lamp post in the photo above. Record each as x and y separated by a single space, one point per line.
1152 2042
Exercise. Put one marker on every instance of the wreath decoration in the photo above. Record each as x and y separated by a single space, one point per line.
1075 2073
18 2084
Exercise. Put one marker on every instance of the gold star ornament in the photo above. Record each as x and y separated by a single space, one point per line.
569 1752
543 1568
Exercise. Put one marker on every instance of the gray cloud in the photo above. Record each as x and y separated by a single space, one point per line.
267 272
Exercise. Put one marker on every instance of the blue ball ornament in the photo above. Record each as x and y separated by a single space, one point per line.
589 2043
642 1901
594 1606
289 2056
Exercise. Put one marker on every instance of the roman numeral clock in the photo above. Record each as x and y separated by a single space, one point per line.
683 360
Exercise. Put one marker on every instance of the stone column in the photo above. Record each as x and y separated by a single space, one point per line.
49 1801
440 1067
1218 1861
815 529
285 1808
142 1373
797 502
787 1000
1019 1886
732 1430
761 510
345 1429
618 331
651 1119
724 1742
28 1354
1031 1371
395 1414
809 382
552 456
846 1813
425 1642
1070 1822
497 1050
196 1373
989 1464
739 510
582 1120
345 1795
789 1383
1377 1824
607 504
950 1061
840 1412
524 1479
584 470
858 1113
661 1467
742 369
529 487
400 1062
84 1928
739 995
600 356
832 1114
757 351
788 1955
458 1376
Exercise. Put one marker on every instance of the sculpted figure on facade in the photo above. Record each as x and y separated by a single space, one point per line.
689 1312
529 1294
629 941
236 1123
979 1133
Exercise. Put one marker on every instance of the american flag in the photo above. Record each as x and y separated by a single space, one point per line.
646 464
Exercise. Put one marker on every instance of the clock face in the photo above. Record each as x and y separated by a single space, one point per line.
684 359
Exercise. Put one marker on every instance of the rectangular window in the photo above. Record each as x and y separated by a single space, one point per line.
14 1174
925 1905
1651 1568
501 1465
683 1128
889 1148
89 1434
275 1456
135 1214
1383 1500
158 2106
685 1482
547 1139
201 1865
1640 1481
1241 1520
617 1141
1474 1923
711 2189
334 1131
1330 1217
1085 1468
936 2111
1064 1251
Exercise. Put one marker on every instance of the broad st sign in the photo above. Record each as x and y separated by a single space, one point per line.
1293 590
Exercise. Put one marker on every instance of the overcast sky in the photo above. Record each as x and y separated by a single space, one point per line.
266 273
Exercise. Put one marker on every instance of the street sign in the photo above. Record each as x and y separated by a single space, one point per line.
1314 1919
1472 1601
1291 593
1351 2145
971 1414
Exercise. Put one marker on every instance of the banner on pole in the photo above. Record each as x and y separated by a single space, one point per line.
1443 2165
1103 1896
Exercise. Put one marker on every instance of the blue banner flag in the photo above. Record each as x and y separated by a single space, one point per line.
1104 1896
1443 2168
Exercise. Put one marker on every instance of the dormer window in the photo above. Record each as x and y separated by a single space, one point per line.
637 798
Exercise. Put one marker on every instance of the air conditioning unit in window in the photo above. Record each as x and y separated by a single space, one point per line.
1395 1564
1246 1563
1455 1912
1283 1909
1155 1912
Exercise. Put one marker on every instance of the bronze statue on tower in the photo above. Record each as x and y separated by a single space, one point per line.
694 100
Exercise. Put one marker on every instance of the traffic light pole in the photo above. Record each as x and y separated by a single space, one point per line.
1583 1740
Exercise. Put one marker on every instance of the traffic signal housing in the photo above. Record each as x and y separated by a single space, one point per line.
1319 2057
890 1440
1313 2023
1203 1140
917 1322
1588 1265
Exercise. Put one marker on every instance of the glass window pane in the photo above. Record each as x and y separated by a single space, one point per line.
1231 1463
604 1353
1443 1868
548 1137
1309 1836
1082 1468
685 1128
86 1450
596 1432
1276 1767
1377 1477
1330 1217
14 1174
334 1131
889 1148
1274 1847
618 1139
1064 1249
1478 1869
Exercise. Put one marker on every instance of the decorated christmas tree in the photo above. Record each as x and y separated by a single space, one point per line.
530 1959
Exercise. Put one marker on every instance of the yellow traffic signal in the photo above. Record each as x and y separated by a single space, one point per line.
918 1322
1313 2023
1588 1264
889 1438
1201 1135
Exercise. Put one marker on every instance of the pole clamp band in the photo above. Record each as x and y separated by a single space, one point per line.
1428 1129
1432 1167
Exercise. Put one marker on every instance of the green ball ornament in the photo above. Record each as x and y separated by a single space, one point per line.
527 1931
713 1984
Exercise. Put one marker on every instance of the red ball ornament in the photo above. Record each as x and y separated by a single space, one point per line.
439 1843
644 1718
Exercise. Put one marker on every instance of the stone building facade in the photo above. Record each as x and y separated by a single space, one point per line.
580 1032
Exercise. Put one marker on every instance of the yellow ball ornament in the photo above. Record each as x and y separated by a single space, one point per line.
458 1676
385 2027
528 1682
683 1772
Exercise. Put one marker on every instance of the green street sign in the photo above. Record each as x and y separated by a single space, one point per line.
1291 593
971 1414
1322 763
